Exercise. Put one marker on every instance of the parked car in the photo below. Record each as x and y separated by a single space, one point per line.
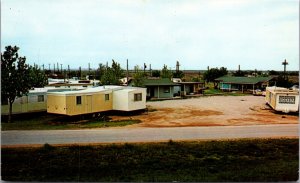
257 92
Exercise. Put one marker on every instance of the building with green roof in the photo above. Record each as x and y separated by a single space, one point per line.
159 87
230 83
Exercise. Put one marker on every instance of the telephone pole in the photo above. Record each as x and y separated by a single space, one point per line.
177 66
127 77
284 70
68 71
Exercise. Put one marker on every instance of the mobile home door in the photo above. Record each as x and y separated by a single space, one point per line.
89 106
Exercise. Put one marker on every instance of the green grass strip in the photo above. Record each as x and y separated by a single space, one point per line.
232 160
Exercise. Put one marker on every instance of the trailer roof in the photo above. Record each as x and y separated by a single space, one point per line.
243 80
275 89
84 91
95 90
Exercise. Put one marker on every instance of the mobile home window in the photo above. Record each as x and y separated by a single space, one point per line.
138 97
78 100
106 97
40 98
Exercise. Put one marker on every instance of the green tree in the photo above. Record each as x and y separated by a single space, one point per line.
15 76
109 77
138 77
282 81
156 73
117 69
272 72
239 73
38 78
165 72
214 73
178 74
100 71
112 75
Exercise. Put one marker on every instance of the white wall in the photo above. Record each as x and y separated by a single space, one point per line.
285 107
123 100
136 105
120 100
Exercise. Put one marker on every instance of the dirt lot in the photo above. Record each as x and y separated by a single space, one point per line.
211 111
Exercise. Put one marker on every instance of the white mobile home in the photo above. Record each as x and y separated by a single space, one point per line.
282 99
129 99
34 101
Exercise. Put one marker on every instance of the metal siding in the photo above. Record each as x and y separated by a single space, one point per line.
56 104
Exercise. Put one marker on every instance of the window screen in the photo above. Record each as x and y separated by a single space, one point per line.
40 98
138 97
106 97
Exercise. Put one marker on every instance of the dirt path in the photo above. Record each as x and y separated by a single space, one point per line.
210 111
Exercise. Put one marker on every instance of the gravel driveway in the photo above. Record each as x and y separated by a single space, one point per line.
211 111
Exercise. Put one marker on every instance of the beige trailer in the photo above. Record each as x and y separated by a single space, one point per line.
91 100
282 99
129 99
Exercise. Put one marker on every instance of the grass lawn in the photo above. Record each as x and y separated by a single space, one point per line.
236 160
46 121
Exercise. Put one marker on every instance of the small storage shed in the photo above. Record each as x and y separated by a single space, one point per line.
86 101
282 99
129 99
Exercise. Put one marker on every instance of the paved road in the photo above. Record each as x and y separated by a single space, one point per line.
146 134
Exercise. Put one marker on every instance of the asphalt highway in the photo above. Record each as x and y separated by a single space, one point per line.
115 135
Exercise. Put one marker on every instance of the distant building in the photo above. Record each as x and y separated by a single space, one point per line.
230 83
188 88
159 88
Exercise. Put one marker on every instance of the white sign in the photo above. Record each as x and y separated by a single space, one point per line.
287 99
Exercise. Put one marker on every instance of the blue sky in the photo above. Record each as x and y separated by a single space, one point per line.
256 34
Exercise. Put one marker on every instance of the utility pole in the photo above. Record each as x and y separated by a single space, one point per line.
284 70
68 71
177 66
61 68
54 68
127 73
145 66
79 73
150 70
64 75
43 67
49 68
57 67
